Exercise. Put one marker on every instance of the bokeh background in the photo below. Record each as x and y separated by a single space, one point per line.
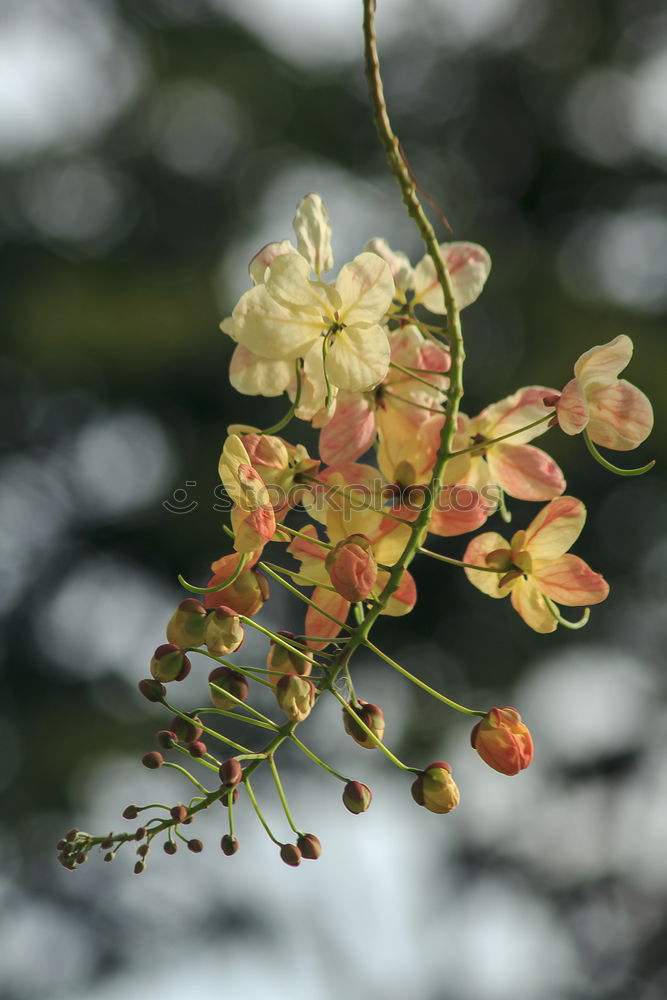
146 152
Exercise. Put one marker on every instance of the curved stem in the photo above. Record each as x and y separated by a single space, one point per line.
251 796
302 597
369 732
417 378
317 760
555 613
614 468
410 402
281 795
483 445
219 586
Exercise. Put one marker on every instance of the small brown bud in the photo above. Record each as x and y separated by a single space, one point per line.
286 661
152 760
143 850
229 680
107 844
140 833
179 813
130 812
72 835
61 845
151 689
229 845
170 847
310 846
166 739
231 772
187 731
139 868
372 716
195 846
197 749
357 797
110 856
291 855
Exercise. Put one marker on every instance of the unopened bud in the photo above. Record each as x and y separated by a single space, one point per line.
186 731
170 847
226 679
372 716
166 739
229 845
435 789
357 797
296 696
310 846
151 689
195 846
130 812
231 772
143 850
179 813
245 595
352 568
286 661
291 855
224 632
224 798
152 760
187 624
197 749
503 741
139 868
169 663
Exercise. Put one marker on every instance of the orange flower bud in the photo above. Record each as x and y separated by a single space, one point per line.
503 741
352 568
296 696
435 789
372 716
224 632
245 596
187 624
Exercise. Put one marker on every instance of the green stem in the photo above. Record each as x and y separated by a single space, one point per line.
410 402
555 613
614 468
369 732
302 597
211 732
417 378
281 795
220 586
177 767
292 410
421 684
252 798
281 641
483 445
317 760
458 562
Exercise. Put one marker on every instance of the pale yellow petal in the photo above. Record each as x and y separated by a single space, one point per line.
477 551
366 288
265 257
601 365
255 376
468 266
529 603
272 330
313 233
399 264
358 358
555 529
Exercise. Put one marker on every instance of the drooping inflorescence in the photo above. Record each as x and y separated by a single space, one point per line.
373 358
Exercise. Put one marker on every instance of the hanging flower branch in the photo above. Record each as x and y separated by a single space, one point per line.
374 358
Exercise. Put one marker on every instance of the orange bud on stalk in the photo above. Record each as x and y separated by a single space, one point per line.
169 663
503 741
372 716
435 789
352 569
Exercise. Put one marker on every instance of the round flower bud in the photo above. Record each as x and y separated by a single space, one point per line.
169 663
435 789
224 632
245 595
197 749
195 846
187 624
357 797
231 772
179 813
286 661
291 855
139 868
310 846
166 739
229 845
186 731
503 741
296 696
372 716
151 689
152 760
352 568
130 812
170 847
226 679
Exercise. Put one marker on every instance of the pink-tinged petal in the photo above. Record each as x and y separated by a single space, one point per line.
476 553
403 600
350 432
529 603
601 365
518 410
265 257
525 472
621 416
570 581
252 528
255 376
555 529
458 510
317 623
572 408
468 267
